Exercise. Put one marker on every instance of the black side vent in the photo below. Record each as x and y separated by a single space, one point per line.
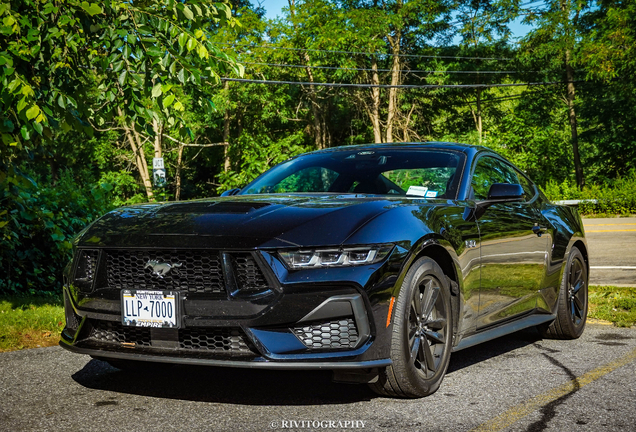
85 270
249 276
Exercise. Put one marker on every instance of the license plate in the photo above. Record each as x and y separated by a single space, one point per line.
143 308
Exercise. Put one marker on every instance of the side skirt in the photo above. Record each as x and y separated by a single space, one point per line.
502 330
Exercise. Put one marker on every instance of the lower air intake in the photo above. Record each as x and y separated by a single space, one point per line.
116 333
213 341
334 334
220 341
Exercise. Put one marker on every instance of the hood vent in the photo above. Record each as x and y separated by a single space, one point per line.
233 207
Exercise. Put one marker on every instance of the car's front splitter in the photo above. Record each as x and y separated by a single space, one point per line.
258 363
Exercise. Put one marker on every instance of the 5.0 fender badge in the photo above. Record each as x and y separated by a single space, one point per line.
160 268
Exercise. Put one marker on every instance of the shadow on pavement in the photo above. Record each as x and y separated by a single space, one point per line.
224 385
503 346
264 387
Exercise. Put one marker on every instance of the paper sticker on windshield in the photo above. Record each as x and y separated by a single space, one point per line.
417 191
431 194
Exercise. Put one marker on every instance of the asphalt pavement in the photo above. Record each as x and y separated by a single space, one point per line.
515 383
612 249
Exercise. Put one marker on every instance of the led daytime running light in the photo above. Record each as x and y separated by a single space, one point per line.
345 257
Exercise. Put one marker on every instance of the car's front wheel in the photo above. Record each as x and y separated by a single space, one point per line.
422 334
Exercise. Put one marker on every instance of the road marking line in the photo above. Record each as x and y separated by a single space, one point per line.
625 230
614 267
593 225
523 409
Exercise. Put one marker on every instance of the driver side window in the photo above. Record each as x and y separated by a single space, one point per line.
312 179
489 171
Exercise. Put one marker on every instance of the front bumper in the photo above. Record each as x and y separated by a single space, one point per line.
336 334
324 321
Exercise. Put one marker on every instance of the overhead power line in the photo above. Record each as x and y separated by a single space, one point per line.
377 70
401 86
359 52
521 7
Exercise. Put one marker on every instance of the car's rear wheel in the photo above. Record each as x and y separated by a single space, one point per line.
572 303
422 334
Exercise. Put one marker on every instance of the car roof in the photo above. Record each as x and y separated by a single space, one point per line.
465 148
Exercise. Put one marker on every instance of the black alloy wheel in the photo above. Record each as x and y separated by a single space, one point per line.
421 334
572 302
577 292
427 327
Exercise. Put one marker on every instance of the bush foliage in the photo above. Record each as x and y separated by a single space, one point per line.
615 197
37 223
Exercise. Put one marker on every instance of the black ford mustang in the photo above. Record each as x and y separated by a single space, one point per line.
374 261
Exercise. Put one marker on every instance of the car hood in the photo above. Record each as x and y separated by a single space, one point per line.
238 222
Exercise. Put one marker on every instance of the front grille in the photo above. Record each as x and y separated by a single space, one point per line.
116 333
334 334
249 276
221 340
190 271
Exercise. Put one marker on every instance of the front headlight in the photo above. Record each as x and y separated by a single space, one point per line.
335 257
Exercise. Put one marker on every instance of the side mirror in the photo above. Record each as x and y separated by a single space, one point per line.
231 192
498 193
506 192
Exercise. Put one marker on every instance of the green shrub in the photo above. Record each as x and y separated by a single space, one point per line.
616 197
37 224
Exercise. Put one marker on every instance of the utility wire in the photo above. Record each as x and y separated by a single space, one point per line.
358 52
377 70
521 6
402 86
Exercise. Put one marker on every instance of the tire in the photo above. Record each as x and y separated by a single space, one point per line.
572 302
421 341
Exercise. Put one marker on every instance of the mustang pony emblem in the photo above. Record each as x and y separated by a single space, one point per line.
159 268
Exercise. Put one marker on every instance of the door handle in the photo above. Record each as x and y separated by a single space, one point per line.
538 230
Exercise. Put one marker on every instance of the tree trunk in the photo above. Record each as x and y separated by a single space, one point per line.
138 150
570 94
226 131
320 134
157 127
177 194
478 123
395 80
578 169
374 112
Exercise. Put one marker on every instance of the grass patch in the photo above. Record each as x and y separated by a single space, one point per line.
614 304
30 322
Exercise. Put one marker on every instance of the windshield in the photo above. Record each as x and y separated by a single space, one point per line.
424 173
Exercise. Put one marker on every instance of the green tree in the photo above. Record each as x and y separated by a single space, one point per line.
137 51
553 47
